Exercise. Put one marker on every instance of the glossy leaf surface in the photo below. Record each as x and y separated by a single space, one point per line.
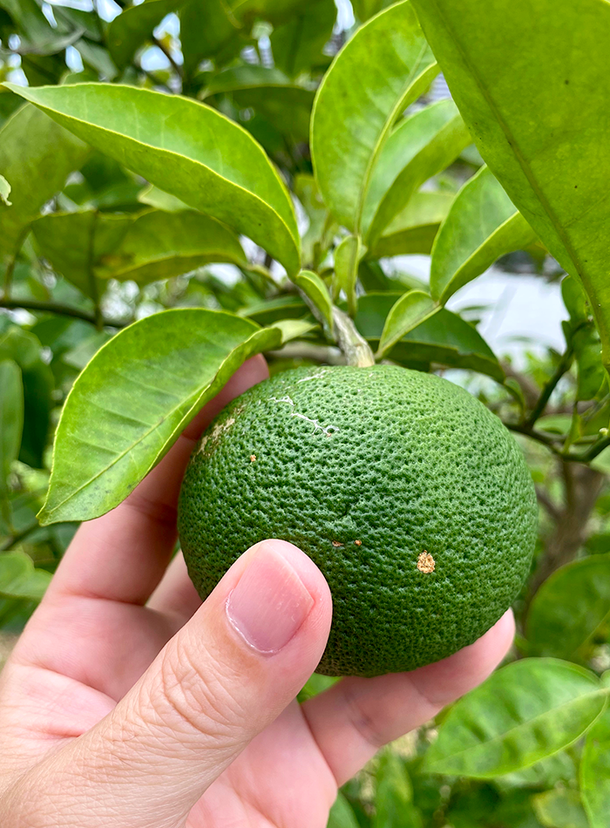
482 225
570 612
317 292
525 711
347 256
145 385
356 108
409 311
418 148
186 149
542 124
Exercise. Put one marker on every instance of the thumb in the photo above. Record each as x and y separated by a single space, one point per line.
226 675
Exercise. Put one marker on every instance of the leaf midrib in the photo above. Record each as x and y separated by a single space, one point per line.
501 736
515 147
155 426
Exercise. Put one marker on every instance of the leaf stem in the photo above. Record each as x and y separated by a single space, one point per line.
160 45
10 268
355 347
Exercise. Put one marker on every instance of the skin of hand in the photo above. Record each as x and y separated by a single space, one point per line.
128 703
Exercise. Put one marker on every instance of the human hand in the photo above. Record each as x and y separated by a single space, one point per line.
127 703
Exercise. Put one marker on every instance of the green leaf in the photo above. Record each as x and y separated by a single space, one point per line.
297 45
207 28
355 108
482 225
28 15
341 815
394 806
187 149
347 256
155 197
134 26
561 808
525 711
25 349
154 245
588 353
315 289
445 338
11 420
271 311
294 328
271 94
414 229
541 125
595 772
5 191
409 311
19 578
418 148
275 11
570 612
36 156
144 386
317 238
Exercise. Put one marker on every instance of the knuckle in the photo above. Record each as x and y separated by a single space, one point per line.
198 694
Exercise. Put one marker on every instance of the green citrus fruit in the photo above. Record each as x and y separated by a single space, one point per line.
411 497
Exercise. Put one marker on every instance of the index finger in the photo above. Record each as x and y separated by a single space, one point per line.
122 555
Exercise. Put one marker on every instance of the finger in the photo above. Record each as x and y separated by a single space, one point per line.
122 555
176 596
355 717
220 681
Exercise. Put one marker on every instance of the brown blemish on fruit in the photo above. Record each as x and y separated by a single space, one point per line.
358 542
336 543
425 562
252 458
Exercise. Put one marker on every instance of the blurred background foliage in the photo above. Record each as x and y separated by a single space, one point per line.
87 247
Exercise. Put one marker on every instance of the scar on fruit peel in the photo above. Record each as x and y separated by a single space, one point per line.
337 544
358 542
327 431
425 562
216 432
252 458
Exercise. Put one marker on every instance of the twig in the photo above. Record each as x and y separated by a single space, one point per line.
562 367
355 347
548 504
62 310
160 45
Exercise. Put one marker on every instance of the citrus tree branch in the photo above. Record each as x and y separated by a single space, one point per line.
62 310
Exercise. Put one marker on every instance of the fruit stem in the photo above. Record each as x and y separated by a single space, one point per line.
356 349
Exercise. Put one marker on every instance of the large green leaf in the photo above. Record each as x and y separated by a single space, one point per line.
595 772
134 398
410 310
418 148
36 157
317 293
570 613
444 339
534 97
394 806
414 229
144 248
19 578
384 67
482 225
526 711
297 45
561 808
24 348
185 148
134 26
